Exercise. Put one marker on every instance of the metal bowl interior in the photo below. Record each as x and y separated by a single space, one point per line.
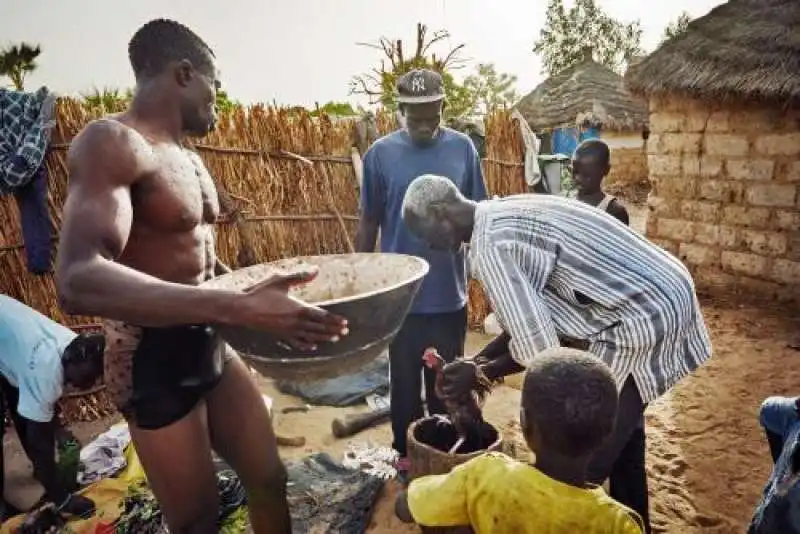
372 291
342 277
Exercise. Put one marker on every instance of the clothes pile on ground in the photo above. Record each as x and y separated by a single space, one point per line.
327 497
324 496
375 461
344 390
105 456
142 515
118 487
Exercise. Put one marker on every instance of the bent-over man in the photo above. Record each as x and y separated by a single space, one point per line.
38 358
137 242
552 266
438 316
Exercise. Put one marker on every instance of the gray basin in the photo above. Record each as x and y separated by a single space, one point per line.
372 291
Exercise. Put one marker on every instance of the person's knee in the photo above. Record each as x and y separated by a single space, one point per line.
202 521
269 486
776 412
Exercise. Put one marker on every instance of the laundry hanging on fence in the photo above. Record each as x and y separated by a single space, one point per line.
26 120
533 174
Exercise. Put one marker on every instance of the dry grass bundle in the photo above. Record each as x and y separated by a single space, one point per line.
743 49
286 203
504 174
275 205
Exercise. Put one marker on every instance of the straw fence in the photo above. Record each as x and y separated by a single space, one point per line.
274 203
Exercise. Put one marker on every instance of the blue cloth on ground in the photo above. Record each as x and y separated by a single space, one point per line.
390 164
26 120
779 509
343 390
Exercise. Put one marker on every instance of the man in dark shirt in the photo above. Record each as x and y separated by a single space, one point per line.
438 315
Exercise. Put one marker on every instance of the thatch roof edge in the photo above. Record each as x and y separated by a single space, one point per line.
741 50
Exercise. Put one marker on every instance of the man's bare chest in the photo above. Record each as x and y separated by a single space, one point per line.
177 195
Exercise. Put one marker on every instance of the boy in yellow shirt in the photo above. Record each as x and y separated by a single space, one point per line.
569 406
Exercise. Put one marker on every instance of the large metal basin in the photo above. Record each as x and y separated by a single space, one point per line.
372 291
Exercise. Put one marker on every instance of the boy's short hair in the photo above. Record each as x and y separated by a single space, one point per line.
595 147
85 348
571 397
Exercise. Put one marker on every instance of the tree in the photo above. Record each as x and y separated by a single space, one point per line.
17 61
225 103
341 109
109 100
566 34
489 89
676 27
379 84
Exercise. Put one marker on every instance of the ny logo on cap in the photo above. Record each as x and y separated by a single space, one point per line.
418 84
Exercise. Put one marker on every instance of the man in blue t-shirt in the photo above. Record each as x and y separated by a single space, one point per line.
438 316
38 357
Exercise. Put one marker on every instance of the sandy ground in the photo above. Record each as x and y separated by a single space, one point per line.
707 458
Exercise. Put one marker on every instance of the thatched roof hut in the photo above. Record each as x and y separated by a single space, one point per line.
724 148
745 49
586 92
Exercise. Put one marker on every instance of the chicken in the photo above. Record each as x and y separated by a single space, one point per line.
464 409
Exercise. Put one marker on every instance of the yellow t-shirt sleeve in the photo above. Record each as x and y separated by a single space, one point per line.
629 523
441 500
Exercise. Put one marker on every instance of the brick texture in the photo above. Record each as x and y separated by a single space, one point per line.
778 195
743 263
726 145
750 169
726 194
787 144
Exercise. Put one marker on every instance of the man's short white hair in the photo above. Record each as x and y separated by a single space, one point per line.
425 191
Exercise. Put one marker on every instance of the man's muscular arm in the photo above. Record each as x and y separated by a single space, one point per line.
105 160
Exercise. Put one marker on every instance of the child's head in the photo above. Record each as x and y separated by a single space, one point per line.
590 164
569 403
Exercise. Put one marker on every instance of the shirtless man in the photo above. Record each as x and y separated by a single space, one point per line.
137 240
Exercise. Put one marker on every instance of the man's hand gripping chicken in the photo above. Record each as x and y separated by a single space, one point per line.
462 401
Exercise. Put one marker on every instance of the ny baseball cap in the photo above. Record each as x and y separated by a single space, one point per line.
420 86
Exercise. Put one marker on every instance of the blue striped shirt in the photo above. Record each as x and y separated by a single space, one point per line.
554 267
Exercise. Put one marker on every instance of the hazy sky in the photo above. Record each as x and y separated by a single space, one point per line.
293 51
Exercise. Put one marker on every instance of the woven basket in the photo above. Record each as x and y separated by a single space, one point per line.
428 460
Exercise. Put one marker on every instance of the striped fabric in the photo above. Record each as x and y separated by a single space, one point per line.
552 266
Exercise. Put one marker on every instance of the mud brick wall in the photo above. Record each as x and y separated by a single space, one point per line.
724 198
628 167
